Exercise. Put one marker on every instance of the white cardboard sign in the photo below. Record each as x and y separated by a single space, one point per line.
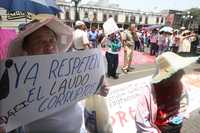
33 87
110 26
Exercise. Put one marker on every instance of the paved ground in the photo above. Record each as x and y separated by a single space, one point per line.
192 125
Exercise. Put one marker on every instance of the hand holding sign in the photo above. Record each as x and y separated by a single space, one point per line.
4 82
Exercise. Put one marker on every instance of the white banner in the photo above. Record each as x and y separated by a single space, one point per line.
122 101
33 87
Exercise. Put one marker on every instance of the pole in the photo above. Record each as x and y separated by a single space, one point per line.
77 15
76 2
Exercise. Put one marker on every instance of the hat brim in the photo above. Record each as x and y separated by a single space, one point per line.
63 32
185 32
166 73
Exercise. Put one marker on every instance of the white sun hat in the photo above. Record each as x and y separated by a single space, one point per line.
63 32
169 63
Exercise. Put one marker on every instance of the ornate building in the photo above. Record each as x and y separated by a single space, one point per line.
98 12
95 13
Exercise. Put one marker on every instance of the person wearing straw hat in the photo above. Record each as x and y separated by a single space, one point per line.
49 36
163 105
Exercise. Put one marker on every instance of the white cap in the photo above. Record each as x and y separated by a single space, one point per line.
79 23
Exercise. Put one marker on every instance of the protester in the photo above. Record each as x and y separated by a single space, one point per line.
185 43
137 41
141 40
163 105
113 46
93 37
194 43
154 42
81 41
163 42
50 37
175 41
128 48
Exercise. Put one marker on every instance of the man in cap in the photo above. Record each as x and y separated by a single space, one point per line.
81 40
50 37
163 105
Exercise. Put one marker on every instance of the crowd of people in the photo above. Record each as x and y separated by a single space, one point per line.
153 42
38 38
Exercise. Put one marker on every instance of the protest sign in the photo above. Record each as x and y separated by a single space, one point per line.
33 87
122 101
122 104
110 27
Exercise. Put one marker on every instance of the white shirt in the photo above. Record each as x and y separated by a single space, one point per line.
80 39
68 120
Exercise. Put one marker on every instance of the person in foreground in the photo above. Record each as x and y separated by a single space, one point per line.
163 105
50 37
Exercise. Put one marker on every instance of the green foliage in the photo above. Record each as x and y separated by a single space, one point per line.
195 12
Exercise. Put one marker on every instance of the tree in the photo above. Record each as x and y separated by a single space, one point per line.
195 12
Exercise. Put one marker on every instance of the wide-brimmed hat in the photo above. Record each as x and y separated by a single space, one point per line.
168 64
63 32
185 32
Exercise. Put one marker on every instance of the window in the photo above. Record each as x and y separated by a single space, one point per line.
116 18
132 19
86 15
67 15
126 19
94 16
140 19
104 17
157 20
162 19
110 15
146 20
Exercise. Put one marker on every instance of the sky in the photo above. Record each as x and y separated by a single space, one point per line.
154 5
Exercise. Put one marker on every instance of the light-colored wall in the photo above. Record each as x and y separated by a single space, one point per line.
122 13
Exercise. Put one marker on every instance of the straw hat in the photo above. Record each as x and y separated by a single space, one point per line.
185 32
64 35
169 63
